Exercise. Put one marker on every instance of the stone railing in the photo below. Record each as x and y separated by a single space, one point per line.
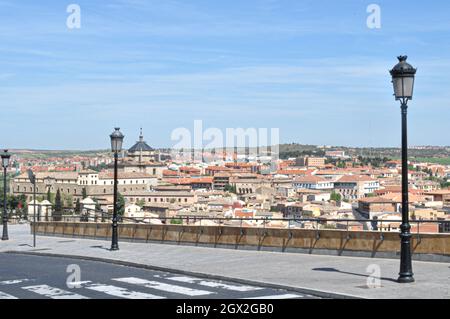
425 246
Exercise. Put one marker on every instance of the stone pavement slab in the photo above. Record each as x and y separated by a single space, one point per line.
330 275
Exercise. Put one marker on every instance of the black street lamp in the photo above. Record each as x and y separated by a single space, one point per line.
403 80
5 164
32 179
116 147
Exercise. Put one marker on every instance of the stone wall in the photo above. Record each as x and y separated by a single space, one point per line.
431 247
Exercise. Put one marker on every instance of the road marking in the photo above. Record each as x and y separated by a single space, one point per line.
164 287
53 293
121 292
4 295
213 284
285 296
13 282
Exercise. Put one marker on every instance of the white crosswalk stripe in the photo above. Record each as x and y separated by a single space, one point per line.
53 293
4 295
213 284
13 281
149 289
285 296
164 287
121 292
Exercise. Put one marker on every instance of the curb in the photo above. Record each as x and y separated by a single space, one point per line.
318 293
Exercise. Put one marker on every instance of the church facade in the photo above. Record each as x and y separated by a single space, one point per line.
143 158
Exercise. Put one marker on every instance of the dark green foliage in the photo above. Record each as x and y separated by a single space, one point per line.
78 207
230 188
120 204
336 197
57 213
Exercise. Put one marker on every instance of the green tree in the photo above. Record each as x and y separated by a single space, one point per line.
78 206
50 196
340 164
58 206
230 188
445 184
120 204
12 202
336 197
140 203
66 200
176 221
84 193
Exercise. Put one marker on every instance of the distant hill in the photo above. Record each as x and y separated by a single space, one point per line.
29 153
434 154
422 152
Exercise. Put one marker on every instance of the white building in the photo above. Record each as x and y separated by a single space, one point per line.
312 182
356 186
43 210
87 204
134 211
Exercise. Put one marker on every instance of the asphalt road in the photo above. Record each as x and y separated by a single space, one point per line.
41 277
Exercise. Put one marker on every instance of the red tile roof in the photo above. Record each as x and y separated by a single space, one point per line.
190 181
309 179
355 178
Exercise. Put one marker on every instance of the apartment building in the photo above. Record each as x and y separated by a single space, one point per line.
147 197
353 187
313 182
96 185
248 185
311 161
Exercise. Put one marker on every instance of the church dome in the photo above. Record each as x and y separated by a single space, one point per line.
141 146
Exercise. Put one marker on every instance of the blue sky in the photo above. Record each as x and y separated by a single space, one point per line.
313 69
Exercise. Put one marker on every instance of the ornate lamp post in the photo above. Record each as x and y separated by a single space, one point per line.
403 80
116 147
32 179
5 164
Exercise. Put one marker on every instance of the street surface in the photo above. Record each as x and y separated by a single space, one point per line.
327 276
38 277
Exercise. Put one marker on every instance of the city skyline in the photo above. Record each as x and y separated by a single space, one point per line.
315 71
128 144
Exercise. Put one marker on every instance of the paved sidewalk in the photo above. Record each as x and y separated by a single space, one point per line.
328 274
